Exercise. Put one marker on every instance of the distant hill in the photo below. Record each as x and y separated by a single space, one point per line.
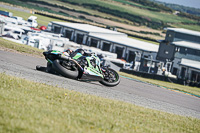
147 17
181 8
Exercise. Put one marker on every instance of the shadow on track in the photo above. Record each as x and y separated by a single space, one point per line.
44 69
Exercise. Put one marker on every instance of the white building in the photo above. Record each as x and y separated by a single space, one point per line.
181 48
142 54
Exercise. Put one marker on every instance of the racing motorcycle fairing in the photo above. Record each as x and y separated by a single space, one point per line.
82 67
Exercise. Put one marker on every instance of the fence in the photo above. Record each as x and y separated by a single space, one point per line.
161 77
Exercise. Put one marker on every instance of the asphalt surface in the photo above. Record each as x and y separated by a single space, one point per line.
131 91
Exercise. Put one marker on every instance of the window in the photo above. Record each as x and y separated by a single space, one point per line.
193 52
177 49
183 50
197 52
166 52
29 20
6 29
16 32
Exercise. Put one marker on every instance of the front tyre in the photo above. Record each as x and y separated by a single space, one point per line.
111 78
73 74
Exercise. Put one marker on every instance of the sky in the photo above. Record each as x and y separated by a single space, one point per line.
190 3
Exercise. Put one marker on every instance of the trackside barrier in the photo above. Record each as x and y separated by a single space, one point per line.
160 77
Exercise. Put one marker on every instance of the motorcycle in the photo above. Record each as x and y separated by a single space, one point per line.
81 67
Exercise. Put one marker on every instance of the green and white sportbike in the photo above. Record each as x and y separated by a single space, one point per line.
80 65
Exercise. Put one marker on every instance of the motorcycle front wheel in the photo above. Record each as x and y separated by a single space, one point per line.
111 78
73 74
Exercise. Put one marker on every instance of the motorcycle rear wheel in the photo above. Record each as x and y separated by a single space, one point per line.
111 78
73 74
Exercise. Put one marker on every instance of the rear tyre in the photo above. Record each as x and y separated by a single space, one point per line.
111 78
73 74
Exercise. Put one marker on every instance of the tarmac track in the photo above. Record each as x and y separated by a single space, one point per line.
131 91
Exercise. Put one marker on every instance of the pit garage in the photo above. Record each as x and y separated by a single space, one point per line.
131 56
190 70
57 29
106 46
119 52
79 33
68 34
79 38
94 43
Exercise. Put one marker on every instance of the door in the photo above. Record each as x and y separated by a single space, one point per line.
131 56
68 34
195 77
106 46
57 29
79 39
183 71
94 43
119 52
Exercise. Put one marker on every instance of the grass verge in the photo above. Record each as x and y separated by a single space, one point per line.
20 47
34 107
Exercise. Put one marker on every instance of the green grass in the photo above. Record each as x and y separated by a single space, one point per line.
34 107
191 27
155 16
169 19
20 47
157 43
119 6
42 20
135 4
189 89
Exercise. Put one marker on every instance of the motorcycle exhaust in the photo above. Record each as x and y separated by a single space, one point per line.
64 57
69 58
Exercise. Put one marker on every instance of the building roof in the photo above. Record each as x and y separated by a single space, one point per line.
186 31
13 28
190 63
87 28
187 44
111 36
129 42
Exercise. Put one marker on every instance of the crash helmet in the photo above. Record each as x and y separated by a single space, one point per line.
80 51
69 51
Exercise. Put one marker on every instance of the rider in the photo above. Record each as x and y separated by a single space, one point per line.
81 51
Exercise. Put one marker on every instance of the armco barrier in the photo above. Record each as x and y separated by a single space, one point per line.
160 77
150 75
